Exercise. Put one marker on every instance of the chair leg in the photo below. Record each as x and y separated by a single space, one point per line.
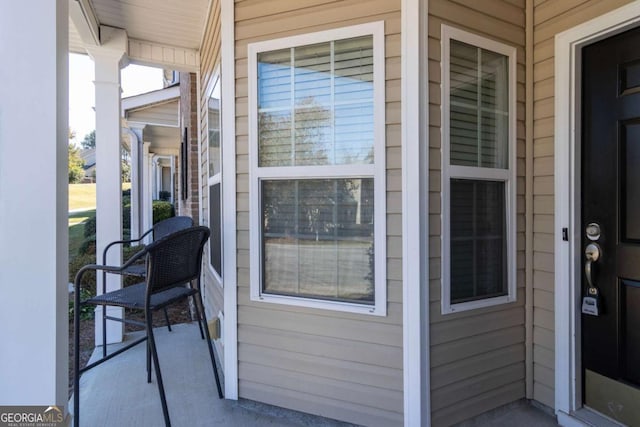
166 317
211 353
195 304
104 331
148 361
156 363
76 359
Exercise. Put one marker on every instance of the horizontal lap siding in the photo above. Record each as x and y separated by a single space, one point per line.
162 114
550 18
478 356
339 365
210 60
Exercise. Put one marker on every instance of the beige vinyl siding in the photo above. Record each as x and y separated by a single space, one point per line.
166 114
335 364
477 356
209 61
550 18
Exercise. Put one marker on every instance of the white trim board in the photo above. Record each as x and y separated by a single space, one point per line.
229 225
415 265
568 47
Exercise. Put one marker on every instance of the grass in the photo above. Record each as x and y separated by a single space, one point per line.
76 230
82 199
83 196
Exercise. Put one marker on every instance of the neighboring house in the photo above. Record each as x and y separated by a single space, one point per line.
411 201
88 156
152 134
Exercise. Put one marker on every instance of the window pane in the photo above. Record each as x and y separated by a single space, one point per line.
479 107
214 133
353 68
318 238
274 138
478 240
316 104
215 239
274 79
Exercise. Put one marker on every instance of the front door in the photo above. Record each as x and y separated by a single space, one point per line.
611 226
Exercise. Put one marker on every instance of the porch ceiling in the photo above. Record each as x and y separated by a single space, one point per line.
164 140
178 23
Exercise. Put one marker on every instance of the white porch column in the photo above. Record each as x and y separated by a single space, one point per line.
34 203
173 181
135 144
107 59
157 171
147 207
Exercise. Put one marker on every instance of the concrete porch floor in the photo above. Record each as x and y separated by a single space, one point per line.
116 393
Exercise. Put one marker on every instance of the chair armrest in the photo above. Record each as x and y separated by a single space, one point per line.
122 242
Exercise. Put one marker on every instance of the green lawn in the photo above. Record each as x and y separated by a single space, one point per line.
76 230
83 196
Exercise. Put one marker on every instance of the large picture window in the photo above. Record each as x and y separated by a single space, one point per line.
478 257
318 170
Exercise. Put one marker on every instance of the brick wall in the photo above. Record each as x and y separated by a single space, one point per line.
189 120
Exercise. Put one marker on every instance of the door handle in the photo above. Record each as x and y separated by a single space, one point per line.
592 252
591 302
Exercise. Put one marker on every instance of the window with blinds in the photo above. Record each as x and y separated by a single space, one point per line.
214 181
316 177
478 171
315 104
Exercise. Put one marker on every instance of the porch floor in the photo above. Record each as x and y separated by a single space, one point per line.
116 393
520 413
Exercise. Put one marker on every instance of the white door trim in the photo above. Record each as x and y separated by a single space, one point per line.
568 49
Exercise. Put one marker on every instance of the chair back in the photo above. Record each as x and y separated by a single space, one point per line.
171 225
175 259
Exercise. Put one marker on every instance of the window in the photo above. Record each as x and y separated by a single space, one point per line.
317 153
479 142
215 180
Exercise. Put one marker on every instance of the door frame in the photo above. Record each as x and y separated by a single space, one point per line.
567 171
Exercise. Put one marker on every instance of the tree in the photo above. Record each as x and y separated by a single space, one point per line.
76 170
89 140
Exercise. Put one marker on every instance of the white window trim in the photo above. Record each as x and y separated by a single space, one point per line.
215 179
508 176
376 171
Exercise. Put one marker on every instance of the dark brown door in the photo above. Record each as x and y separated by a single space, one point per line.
611 200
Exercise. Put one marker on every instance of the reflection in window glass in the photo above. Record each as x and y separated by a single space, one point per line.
479 110
318 238
315 104
214 133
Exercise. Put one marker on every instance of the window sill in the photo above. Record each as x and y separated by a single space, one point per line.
473 305
374 310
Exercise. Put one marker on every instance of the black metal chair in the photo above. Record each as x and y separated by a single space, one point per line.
158 231
170 262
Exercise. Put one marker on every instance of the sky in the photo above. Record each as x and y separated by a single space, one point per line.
135 79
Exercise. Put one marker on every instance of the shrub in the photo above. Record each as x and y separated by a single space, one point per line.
162 210
89 278
88 246
90 223
90 227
